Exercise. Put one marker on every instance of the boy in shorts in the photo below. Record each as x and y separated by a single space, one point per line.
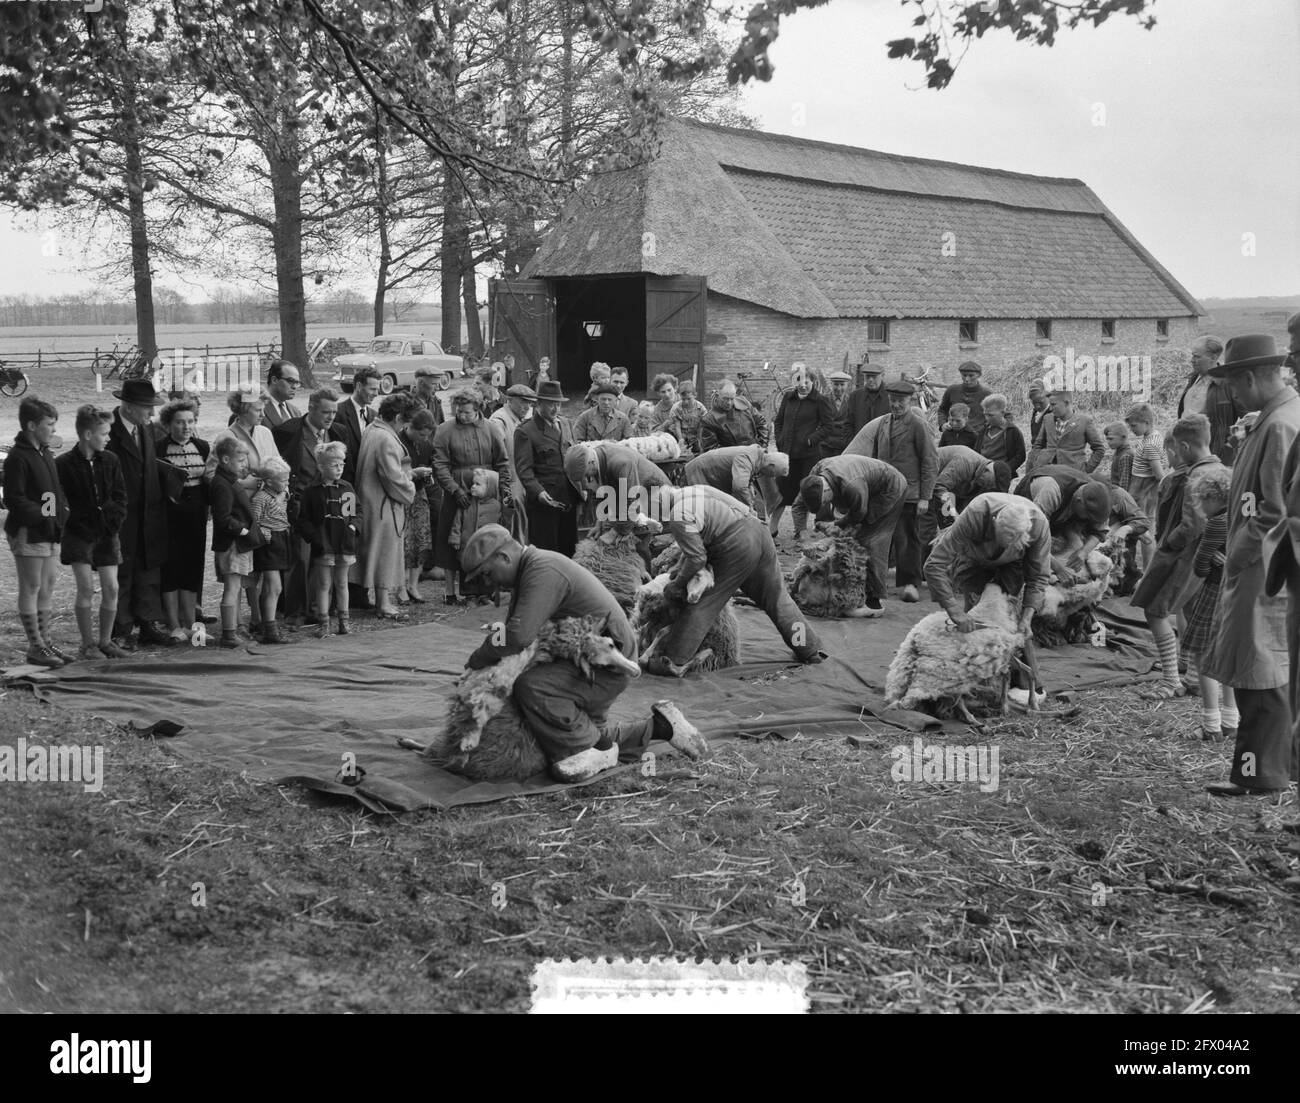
96 492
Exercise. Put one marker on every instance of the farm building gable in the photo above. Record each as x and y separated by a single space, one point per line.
816 230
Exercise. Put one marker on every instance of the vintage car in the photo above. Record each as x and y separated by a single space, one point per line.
396 357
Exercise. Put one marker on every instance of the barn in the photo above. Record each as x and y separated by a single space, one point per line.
733 249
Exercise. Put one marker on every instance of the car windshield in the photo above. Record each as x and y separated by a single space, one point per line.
388 345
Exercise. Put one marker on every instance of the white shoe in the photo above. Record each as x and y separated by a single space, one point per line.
180 635
686 736
585 764
868 611
909 594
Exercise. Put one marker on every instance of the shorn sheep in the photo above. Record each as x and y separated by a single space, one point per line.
484 737
833 575
654 613
617 559
937 667
1066 615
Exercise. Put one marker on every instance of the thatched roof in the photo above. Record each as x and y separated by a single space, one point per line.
820 230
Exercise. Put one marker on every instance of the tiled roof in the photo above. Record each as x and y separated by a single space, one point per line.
818 230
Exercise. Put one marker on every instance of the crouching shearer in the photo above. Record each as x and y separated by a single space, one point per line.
998 538
870 494
713 529
567 713
740 470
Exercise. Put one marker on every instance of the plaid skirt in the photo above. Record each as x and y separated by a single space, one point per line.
1200 614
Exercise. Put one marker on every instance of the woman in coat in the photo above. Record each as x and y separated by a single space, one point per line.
385 488
187 516
459 446
804 419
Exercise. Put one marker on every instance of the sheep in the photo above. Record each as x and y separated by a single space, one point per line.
484 738
833 574
654 613
1066 614
939 666
616 557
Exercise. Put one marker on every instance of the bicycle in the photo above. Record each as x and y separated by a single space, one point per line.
776 383
13 381
128 363
925 397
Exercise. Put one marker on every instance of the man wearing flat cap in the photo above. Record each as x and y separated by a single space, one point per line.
1038 410
513 412
566 710
903 439
1066 437
868 402
541 443
604 421
1077 508
970 391
748 472
838 435
1250 650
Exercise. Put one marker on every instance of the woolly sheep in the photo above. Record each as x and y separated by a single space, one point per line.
938 666
1066 614
484 737
617 560
654 613
833 574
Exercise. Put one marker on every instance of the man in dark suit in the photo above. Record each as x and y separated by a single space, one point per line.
354 414
297 440
867 403
282 383
144 532
540 444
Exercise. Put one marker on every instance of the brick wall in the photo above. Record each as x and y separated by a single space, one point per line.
741 336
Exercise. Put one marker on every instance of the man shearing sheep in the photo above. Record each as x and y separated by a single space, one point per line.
713 529
1078 510
870 494
739 471
567 712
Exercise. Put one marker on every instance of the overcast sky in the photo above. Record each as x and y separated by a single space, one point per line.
1200 143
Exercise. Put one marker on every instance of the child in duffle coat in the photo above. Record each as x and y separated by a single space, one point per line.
92 481
1209 494
485 507
1165 583
330 522
38 511
232 524
276 555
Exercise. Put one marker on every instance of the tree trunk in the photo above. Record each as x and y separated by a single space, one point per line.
453 250
469 296
286 189
381 217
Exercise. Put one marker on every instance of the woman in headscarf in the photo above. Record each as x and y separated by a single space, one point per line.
460 445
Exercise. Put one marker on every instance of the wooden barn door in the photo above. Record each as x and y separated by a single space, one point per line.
675 316
521 320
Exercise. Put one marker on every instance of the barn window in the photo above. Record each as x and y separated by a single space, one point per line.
968 330
1162 327
1108 328
878 331
594 329
1043 329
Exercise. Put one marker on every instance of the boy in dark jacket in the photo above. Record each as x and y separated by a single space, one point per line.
232 522
957 431
37 514
328 520
96 492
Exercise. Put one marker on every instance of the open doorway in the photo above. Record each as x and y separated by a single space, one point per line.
600 319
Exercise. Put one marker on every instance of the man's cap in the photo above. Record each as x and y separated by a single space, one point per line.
970 365
480 548
575 463
549 391
1254 350
871 369
902 386
840 377
521 390
1095 497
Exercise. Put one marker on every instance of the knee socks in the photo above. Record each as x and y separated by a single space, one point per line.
31 626
85 624
107 618
1167 645
43 618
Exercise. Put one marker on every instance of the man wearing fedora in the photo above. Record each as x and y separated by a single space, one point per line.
144 532
1251 651
970 391
513 412
566 710
868 402
541 443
